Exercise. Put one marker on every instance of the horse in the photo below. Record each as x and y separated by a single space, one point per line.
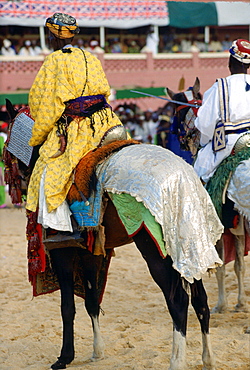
230 240
176 286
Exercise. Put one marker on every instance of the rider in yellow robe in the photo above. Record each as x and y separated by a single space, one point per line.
66 74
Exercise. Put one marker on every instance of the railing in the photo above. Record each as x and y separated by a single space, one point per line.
128 70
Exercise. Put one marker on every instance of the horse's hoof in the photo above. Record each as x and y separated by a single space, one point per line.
58 365
95 358
219 309
241 308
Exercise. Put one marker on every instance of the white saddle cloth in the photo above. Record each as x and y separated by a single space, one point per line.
175 196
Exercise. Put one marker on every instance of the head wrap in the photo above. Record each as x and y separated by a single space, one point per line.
93 43
63 26
6 43
240 50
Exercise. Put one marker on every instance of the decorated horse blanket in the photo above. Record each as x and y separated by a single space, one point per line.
170 189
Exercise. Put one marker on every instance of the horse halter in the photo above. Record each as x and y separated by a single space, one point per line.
191 114
190 100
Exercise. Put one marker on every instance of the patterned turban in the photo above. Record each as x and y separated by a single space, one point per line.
63 26
240 50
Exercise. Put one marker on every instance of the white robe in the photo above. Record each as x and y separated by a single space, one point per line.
59 218
209 114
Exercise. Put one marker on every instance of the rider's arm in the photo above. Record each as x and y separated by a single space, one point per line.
208 115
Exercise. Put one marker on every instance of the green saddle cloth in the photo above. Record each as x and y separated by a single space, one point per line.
134 215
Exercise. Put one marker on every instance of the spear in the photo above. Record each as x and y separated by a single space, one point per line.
169 100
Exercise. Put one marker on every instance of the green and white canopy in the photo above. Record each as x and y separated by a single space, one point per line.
197 14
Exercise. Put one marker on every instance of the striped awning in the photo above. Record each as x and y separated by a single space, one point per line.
125 14
95 13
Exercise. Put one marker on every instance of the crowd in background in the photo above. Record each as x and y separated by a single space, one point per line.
152 127
169 43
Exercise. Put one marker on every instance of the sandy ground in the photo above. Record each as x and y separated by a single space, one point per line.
136 327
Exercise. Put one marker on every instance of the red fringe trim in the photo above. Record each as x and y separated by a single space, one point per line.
11 175
36 252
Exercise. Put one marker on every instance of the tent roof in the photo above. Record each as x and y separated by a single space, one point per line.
109 13
127 13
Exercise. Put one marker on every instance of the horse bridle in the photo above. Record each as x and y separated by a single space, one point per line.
185 119
196 103
193 105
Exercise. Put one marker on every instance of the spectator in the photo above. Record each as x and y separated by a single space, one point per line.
80 44
163 128
7 48
162 131
152 40
215 45
115 46
151 118
168 40
194 47
226 43
176 48
36 48
186 44
94 47
26 49
133 47
141 131
126 115
201 44
125 45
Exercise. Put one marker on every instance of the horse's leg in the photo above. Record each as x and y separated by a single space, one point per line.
239 268
177 299
62 262
89 264
220 276
199 302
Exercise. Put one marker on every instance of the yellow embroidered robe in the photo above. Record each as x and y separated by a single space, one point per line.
62 77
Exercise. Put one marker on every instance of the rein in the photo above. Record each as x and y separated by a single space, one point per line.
169 100
195 106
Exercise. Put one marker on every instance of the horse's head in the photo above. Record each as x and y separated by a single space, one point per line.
17 172
185 114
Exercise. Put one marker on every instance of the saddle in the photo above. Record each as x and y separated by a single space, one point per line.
95 219
85 170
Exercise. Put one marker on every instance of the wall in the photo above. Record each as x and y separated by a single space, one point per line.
129 71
